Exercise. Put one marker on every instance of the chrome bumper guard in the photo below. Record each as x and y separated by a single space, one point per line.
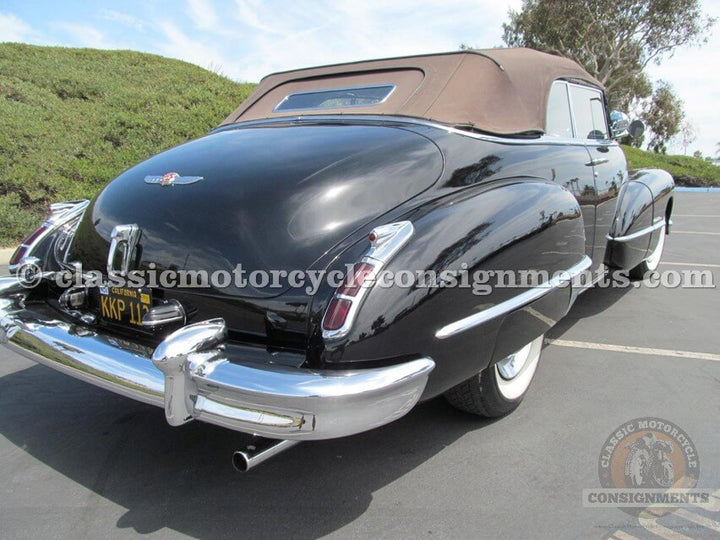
190 376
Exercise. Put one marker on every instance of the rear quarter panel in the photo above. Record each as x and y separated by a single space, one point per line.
518 224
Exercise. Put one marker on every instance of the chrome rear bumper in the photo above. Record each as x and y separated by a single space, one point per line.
190 376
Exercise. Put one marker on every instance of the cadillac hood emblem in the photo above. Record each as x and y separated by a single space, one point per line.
172 179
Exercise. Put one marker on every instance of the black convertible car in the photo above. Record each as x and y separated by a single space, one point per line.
469 167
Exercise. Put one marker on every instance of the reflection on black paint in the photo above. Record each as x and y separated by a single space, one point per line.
477 172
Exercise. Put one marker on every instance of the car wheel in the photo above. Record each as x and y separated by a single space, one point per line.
651 263
499 388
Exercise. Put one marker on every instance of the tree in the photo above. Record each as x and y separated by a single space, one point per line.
614 40
687 135
663 116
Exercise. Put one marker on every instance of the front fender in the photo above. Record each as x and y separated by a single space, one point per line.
519 224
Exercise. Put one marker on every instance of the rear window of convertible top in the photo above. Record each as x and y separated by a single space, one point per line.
336 98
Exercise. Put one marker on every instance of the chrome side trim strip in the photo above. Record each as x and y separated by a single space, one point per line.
659 224
514 303
598 161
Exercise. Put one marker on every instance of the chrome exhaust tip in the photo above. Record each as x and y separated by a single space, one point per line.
259 450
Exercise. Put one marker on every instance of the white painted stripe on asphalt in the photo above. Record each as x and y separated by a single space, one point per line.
703 265
651 525
700 520
622 535
633 350
696 232
714 505
695 215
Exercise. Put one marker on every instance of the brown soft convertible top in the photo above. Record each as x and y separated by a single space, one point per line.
501 91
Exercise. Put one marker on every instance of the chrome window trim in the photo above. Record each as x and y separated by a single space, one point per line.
572 114
658 224
392 87
564 84
542 140
513 303
572 110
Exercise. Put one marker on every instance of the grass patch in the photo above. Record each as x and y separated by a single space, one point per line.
687 170
73 119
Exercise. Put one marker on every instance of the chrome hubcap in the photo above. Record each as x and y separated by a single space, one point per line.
514 373
513 364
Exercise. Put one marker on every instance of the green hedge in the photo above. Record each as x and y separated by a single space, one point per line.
686 170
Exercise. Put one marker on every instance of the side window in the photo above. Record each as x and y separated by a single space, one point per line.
559 123
589 113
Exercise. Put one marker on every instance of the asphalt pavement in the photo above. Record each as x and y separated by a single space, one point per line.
80 462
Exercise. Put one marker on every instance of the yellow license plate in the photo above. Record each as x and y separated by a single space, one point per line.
124 305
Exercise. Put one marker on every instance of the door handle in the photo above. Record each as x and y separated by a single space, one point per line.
598 161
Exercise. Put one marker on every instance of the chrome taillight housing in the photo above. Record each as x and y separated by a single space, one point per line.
53 237
385 242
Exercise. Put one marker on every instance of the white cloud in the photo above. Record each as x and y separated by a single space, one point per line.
123 18
694 75
247 12
85 35
305 34
203 14
185 46
14 29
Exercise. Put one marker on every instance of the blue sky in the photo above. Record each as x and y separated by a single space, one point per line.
246 39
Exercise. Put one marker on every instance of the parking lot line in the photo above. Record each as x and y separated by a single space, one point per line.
704 265
622 535
696 232
651 525
700 520
633 350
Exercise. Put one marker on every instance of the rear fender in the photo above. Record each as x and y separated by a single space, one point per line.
521 224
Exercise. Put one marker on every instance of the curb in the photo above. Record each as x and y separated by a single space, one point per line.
5 255
697 189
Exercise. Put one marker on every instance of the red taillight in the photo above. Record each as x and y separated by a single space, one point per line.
27 242
385 242
30 239
337 313
353 283
18 255
342 303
